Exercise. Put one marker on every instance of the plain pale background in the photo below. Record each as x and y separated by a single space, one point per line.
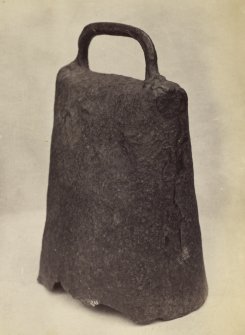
200 45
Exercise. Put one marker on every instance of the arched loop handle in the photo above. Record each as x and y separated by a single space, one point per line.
118 29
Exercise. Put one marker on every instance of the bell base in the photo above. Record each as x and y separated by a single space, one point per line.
140 314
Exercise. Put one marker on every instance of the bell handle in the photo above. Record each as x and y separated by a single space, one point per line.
118 29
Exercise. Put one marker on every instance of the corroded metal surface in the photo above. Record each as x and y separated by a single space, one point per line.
122 225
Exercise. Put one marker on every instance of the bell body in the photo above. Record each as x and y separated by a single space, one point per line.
122 224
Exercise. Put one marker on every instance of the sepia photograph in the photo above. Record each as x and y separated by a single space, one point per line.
122 199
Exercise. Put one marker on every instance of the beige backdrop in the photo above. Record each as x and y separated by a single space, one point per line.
200 45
